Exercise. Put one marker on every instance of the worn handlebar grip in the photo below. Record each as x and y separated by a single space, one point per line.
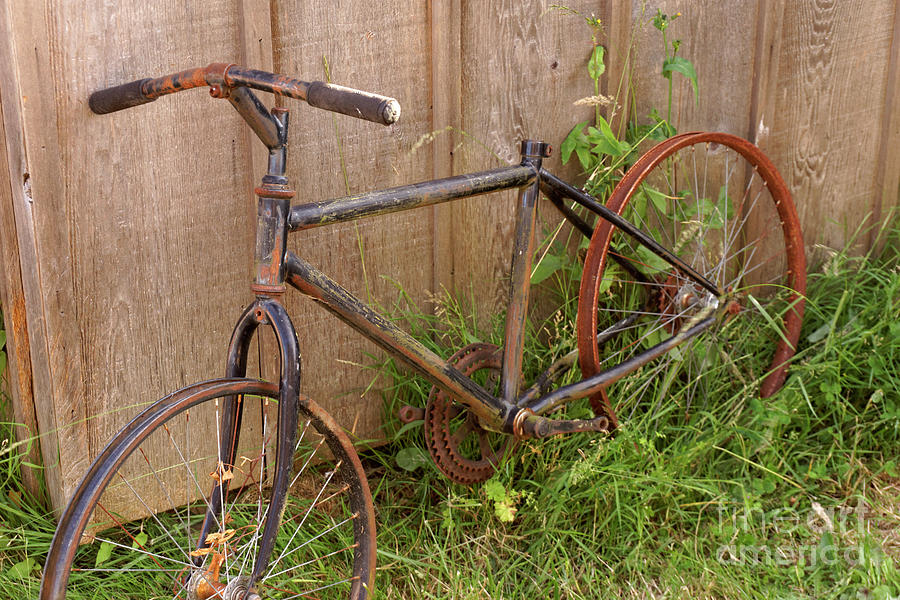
355 103
119 97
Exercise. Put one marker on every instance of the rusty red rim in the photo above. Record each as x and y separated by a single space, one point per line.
760 171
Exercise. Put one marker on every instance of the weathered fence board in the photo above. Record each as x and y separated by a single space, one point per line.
828 118
124 231
17 378
523 66
720 39
126 239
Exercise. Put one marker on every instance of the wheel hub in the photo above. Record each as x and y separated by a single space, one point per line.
676 299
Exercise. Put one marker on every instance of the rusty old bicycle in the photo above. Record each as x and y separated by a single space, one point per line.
239 488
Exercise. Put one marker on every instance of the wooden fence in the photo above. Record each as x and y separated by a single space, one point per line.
126 238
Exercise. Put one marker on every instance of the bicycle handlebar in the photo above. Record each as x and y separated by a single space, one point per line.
221 77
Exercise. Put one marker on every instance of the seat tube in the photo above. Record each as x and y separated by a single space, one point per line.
520 273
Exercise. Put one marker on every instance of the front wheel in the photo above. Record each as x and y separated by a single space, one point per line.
132 528
719 204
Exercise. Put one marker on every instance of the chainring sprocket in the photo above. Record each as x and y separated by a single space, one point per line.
461 448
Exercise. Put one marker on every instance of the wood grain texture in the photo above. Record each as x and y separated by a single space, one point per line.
887 169
16 378
619 37
134 294
383 51
20 176
523 67
127 238
827 115
769 20
446 100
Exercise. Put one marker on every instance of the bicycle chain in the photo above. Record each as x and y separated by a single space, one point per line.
441 411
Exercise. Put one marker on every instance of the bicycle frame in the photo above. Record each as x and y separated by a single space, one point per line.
510 411
498 413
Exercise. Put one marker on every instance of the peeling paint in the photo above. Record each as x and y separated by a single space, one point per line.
26 187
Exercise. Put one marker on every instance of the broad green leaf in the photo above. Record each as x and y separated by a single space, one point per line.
605 141
103 553
890 467
637 209
494 490
596 66
661 129
2 339
412 458
504 502
505 511
22 569
658 199
647 257
678 64
549 265
653 338
819 334
584 157
698 210
574 140
140 540
611 274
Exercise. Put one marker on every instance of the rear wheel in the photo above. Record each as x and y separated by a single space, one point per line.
719 204
133 526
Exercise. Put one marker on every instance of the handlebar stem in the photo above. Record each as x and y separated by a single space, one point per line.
267 128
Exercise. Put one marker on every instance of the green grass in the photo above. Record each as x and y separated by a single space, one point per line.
797 496
728 504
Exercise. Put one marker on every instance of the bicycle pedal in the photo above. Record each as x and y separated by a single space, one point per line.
408 414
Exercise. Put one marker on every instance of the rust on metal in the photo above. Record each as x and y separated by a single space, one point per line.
450 446
520 273
537 427
334 298
409 414
274 192
267 290
267 82
587 319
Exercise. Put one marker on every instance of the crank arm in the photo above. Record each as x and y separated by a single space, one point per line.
408 414
534 426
